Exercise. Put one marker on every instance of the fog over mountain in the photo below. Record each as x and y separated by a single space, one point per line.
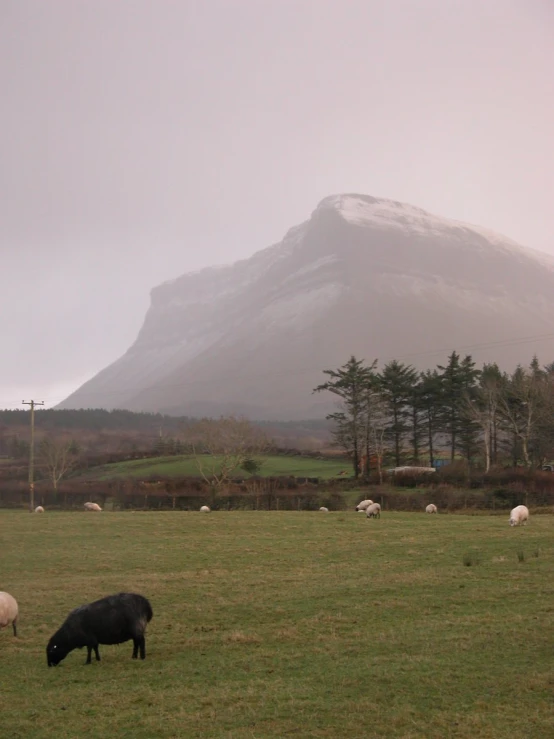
363 275
148 139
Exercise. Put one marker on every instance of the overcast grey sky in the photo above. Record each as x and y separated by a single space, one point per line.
145 138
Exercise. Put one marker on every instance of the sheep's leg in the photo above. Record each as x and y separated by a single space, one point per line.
14 626
90 647
139 643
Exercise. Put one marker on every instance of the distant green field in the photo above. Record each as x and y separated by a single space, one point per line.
278 624
183 466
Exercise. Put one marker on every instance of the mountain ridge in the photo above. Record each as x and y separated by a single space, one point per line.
363 275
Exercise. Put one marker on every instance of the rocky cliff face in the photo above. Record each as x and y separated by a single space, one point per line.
364 276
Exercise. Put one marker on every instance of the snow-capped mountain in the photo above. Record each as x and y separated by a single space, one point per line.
364 276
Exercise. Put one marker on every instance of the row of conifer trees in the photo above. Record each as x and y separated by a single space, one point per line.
400 415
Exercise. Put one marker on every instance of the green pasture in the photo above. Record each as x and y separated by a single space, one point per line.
183 466
281 624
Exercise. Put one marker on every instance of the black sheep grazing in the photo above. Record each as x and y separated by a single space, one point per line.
110 620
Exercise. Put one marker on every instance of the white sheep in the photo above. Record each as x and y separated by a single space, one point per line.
363 505
8 611
204 509
431 508
92 507
39 509
324 510
519 515
362 510
373 511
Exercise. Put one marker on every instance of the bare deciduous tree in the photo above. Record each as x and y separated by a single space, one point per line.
482 407
221 446
523 404
481 415
378 422
58 457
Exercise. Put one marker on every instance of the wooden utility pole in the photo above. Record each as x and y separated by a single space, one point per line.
32 403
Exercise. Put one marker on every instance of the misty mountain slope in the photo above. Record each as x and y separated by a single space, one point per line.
363 275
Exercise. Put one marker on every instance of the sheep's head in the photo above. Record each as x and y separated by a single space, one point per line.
55 652
512 522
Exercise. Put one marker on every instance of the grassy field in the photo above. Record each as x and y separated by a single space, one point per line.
180 466
277 624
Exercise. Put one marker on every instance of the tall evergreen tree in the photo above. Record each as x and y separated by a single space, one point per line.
350 383
397 382
457 382
469 428
371 399
430 398
417 424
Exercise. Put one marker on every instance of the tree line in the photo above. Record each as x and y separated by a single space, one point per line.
94 419
484 416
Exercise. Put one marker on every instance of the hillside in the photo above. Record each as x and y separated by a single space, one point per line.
365 276
183 466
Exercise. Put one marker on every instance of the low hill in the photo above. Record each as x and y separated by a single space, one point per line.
184 466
